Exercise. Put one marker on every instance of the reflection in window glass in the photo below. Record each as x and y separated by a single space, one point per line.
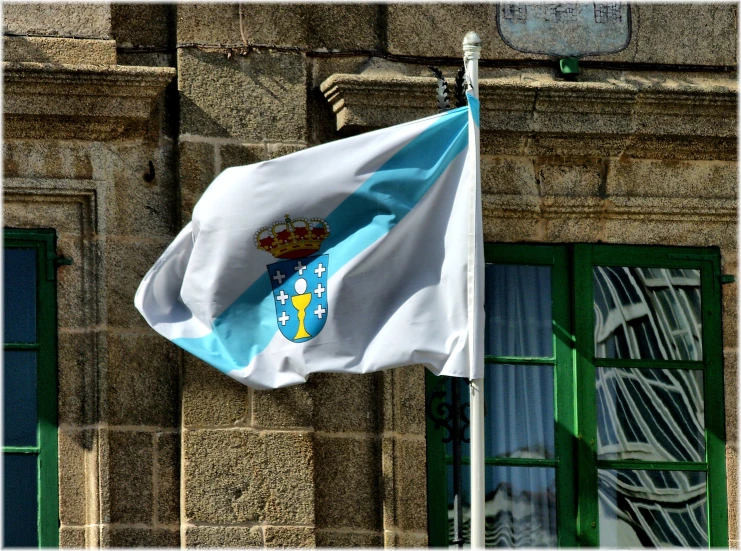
520 506
19 500
647 313
518 311
19 398
650 414
652 509
19 295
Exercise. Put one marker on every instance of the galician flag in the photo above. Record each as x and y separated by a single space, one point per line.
350 257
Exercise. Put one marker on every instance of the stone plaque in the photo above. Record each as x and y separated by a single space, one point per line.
572 29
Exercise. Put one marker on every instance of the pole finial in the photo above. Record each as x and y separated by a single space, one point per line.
471 46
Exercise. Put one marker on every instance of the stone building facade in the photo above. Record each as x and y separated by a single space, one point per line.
117 117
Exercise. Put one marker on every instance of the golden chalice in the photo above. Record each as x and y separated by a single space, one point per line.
301 302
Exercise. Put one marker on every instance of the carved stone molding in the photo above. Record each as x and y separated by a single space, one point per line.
631 208
43 100
76 210
628 115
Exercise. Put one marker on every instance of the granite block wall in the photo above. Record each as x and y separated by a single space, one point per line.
158 449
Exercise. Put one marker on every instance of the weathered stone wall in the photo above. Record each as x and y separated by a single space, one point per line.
118 382
157 448
79 134
48 19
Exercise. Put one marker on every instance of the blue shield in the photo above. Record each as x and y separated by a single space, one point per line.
300 294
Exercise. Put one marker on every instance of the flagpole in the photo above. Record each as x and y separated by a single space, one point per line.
471 54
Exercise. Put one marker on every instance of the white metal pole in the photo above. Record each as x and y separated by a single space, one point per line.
471 54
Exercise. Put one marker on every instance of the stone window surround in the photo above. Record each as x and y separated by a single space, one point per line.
80 204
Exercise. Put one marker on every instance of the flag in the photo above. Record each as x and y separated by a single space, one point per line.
352 256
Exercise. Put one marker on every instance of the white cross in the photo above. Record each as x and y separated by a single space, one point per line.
282 297
320 311
283 318
279 277
320 270
300 268
319 290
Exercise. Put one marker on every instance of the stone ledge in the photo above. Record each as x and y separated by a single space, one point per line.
633 208
70 51
55 101
616 114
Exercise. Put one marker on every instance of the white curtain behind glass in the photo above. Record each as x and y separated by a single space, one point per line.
518 311
520 505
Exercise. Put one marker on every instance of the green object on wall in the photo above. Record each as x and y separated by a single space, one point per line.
569 66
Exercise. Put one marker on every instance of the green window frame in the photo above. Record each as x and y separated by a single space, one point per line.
575 396
43 243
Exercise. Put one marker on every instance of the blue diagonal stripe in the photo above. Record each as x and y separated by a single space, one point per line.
475 107
248 325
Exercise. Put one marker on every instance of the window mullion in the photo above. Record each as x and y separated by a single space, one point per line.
588 506
47 397
21 449
21 346
647 364
518 360
508 461
564 403
715 448
634 465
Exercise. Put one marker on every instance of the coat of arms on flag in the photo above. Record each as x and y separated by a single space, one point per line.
300 282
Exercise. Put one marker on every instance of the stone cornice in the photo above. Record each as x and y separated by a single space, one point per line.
86 102
631 115
631 208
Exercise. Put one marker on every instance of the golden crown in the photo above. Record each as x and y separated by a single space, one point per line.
294 238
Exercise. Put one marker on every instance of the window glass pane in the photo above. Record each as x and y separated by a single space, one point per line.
20 501
519 420
19 295
19 397
519 411
652 509
649 313
650 414
520 506
518 311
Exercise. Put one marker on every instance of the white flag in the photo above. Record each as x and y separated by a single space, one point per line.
348 257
